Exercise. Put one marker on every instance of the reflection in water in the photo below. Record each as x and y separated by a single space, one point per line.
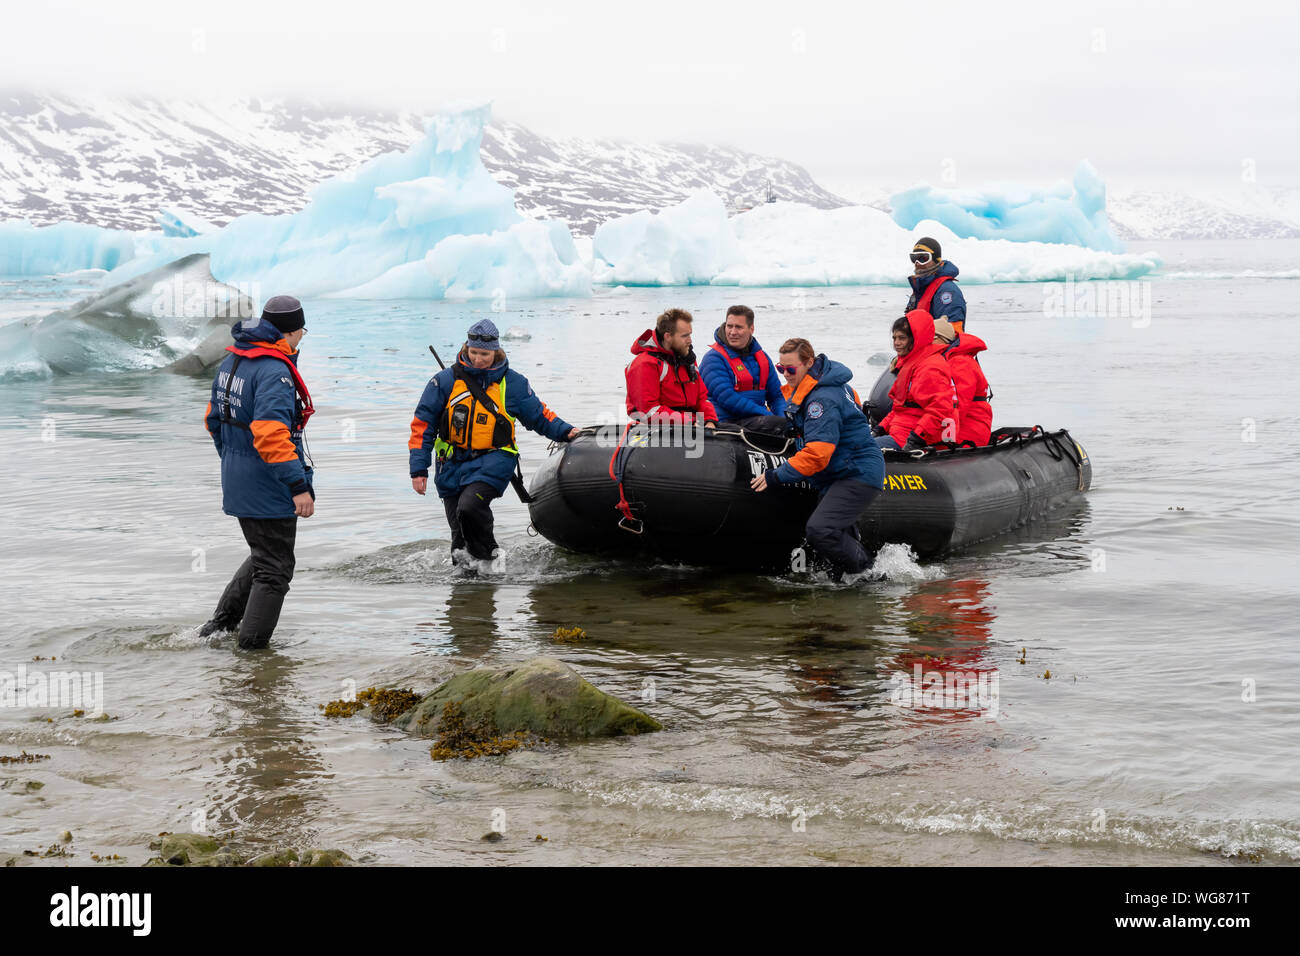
944 672
1054 543
829 649
832 663
471 616
270 770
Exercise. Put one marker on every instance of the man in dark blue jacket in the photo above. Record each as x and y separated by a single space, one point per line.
468 413
256 415
835 453
740 377
934 285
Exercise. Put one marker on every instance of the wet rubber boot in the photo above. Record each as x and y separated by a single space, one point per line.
230 608
459 556
260 617
474 515
272 543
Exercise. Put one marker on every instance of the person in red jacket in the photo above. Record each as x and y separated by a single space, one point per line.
663 381
924 396
974 412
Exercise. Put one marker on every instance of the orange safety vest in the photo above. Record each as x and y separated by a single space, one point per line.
476 420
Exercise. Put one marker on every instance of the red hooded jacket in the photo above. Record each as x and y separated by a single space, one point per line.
661 387
973 395
924 396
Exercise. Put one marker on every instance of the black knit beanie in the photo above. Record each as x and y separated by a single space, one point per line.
284 312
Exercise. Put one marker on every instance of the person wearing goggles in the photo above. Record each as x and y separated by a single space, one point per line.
934 284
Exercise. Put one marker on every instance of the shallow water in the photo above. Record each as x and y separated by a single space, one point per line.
1150 601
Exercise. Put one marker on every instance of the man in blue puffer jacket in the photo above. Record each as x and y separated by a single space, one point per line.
835 454
256 415
468 413
738 374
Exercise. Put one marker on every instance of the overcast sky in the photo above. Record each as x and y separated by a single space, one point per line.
894 94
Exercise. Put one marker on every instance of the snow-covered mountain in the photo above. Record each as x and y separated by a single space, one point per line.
114 161
1248 212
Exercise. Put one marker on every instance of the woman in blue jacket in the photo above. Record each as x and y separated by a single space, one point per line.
468 414
835 453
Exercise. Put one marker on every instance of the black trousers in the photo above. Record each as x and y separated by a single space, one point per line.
254 596
833 527
470 515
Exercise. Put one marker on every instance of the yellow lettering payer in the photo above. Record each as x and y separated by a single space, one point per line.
905 483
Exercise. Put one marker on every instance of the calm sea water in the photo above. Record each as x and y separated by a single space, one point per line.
1163 605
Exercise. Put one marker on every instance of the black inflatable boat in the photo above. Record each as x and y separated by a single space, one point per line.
694 504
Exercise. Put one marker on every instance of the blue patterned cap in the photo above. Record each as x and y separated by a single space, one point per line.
483 335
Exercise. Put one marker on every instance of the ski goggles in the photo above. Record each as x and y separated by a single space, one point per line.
921 258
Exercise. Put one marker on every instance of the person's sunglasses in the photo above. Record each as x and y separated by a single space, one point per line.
920 258
787 369
473 337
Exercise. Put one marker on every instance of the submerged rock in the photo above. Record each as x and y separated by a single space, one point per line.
192 849
542 696
292 857
196 849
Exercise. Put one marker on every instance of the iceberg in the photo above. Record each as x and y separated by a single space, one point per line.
791 244
27 250
686 244
427 222
528 259
1066 214
176 318
179 224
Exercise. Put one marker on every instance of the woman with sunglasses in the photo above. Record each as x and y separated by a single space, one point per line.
934 285
835 454
468 414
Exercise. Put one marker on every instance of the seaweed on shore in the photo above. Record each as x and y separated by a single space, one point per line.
342 708
386 703
458 739
23 757
389 704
